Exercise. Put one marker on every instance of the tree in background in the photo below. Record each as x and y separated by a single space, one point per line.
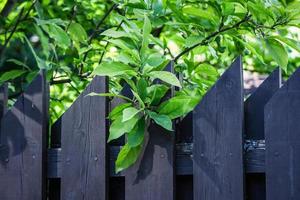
132 42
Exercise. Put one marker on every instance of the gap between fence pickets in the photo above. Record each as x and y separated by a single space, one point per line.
254 151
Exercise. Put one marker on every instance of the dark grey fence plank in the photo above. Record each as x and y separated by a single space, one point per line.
217 130
83 142
3 99
254 106
152 178
254 130
282 129
23 153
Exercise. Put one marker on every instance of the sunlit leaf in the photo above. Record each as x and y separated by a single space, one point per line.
112 69
119 128
277 52
77 32
129 113
162 120
127 157
165 76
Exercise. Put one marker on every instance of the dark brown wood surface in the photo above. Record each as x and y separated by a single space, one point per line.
23 151
218 142
282 130
83 131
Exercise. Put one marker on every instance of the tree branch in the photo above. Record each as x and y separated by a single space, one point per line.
94 33
19 20
206 40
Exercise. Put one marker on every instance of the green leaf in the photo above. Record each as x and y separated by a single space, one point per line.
142 88
136 136
125 47
208 14
2 4
108 95
115 34
127 157
17 62
178 106
77 32
147 27
119 128
137 96
56 21
277 52
290 42
129 113
250 48
192 40
165 76
112 69
162 120
44 41
156 92
155 60
40 63
118 110
11 75
207 69
146 36
58 34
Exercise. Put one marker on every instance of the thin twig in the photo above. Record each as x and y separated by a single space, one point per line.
94 33
104 51
19 20
206 40
101 22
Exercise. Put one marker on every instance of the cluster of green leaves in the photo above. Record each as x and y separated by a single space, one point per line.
143 70
132 42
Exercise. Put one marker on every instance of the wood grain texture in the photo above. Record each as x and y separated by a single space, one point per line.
153 177
254 106
23 152
3 99
83 132
282 129
155 169
218 142
254 130
254 161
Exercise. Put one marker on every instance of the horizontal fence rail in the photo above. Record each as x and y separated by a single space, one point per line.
254 159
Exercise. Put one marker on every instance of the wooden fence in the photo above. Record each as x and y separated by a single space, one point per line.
227 149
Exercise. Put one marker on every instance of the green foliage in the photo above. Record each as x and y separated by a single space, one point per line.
132 42
277 52
127 157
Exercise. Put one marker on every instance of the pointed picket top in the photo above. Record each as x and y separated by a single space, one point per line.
82 134
23 144
292 84
233 76
218 143
272 82
254 105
